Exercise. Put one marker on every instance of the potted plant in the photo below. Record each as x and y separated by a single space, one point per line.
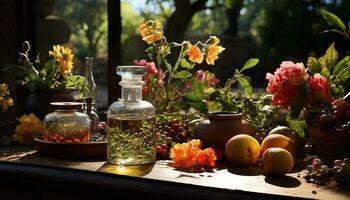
314 97
49 81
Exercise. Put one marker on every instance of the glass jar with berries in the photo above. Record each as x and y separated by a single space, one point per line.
67 124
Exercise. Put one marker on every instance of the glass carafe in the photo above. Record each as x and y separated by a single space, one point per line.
130 122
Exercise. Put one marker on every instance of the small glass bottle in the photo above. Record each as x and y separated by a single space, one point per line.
67 124
90 93
90 110
130 122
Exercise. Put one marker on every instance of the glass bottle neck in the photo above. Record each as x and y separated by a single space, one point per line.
132 93
88 71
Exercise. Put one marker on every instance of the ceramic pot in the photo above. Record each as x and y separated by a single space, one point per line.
39 103
220 127
330 145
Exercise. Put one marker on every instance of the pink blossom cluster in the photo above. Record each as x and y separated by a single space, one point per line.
291 84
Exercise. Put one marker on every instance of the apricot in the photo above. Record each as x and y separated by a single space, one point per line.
277 162
278 140
242 150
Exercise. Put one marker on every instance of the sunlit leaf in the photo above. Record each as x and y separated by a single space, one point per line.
333 20
250 63
185 64
313 65
214 107
182 74
343 75
297 125
247 88
341 65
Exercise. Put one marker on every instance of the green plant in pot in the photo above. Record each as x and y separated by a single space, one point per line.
49 81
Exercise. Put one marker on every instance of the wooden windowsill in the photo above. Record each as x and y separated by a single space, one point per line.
23 166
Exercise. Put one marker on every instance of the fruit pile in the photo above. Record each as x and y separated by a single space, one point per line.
320 174
336 117
170 129
277 151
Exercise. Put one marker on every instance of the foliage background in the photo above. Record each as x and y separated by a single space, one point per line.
272 30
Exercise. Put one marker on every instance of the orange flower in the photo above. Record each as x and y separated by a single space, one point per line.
151 31
194 54
191 155
29 128
213 52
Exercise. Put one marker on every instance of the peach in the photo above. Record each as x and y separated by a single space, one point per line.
278 140
277 162
286 131
242 150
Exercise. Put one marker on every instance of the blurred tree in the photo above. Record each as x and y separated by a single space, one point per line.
178 15
88 21
232 10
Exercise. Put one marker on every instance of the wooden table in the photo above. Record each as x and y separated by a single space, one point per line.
27 175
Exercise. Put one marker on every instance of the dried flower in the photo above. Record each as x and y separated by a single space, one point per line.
190 154
5 101
29 128
194 54
63 57
286 83
151 31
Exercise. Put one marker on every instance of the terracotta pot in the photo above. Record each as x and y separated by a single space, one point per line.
330 145
220 127
39 103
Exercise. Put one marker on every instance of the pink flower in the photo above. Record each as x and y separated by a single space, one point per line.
211 80
200 75
285 84
319 88
150 66
151 72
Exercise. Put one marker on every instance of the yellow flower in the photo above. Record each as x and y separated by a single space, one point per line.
63 57
29 128
194 54
151 31
213 40
5 101
213 52
4 90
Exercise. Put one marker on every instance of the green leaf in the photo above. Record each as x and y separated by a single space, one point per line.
215 95
250 63
247 88
193 96
214 107
331 56
297 125
201 106
333 20
185 64
344 63
75 82
182 74
168 66
313 65
343 75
